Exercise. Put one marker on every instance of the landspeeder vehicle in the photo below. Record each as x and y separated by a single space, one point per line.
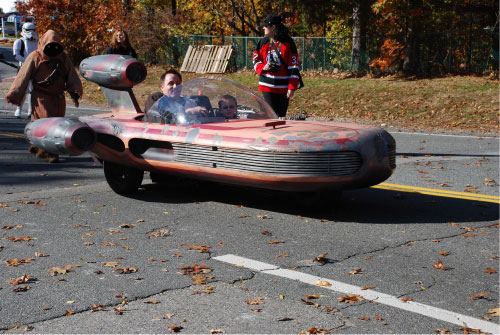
256 149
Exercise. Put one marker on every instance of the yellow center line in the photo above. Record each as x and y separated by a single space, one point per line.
439 193
12 134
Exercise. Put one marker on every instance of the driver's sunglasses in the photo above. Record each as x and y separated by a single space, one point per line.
228 107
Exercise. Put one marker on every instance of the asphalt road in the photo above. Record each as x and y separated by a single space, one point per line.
186 254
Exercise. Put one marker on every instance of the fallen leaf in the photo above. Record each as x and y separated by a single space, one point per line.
405 299
350 298
323 283
312 296
111 264
200 248
54 271
367 287
256 310
217 331
159 233
40 254
321 258
127 225
199 279
444 253
22 288
356 271
494 311
88 244
201 268
69 312
330 309
490 271
20 239
364 318
307 302
255 301
282 255
439 265
276 242
266 232
468 330
175 328
152 302
96 308
478 296
468 235
119 311
109 244
442 331
317 331
264 216
16 262
126 270
20 280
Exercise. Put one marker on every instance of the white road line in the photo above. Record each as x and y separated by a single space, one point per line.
411 306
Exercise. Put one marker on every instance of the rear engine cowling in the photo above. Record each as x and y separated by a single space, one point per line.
61 135
113 71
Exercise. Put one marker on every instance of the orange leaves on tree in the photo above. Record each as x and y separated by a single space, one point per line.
392 52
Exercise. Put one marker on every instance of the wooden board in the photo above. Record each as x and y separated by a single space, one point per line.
207 58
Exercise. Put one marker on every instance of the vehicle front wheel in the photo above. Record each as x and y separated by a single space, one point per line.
122 179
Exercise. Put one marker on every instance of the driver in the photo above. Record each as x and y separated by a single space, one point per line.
171 104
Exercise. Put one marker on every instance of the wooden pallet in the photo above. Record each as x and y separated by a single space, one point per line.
207 58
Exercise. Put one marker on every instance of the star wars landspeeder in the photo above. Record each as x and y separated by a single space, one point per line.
255 148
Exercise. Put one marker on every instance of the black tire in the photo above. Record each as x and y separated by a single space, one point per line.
122 179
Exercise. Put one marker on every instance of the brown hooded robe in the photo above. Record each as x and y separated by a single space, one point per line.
47 101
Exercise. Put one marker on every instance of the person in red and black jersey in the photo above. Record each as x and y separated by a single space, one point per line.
277 81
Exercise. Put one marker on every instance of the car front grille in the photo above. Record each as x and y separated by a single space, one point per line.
338 163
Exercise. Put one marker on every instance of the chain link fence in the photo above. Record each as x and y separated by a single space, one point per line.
455 52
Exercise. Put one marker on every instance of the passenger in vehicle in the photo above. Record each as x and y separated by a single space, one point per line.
228 106
169 105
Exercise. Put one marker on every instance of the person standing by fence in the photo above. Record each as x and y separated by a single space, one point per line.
277 62
120 45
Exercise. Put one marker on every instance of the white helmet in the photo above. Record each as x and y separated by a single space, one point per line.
29 31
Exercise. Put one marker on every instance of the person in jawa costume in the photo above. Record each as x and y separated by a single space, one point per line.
51 72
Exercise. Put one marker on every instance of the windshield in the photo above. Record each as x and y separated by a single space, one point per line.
208 100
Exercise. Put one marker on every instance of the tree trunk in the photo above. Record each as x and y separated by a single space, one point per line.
360 12
411 62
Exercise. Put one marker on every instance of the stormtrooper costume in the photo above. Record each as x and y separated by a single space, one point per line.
22 48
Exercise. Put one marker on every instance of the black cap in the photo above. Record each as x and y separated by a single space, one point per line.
271 20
